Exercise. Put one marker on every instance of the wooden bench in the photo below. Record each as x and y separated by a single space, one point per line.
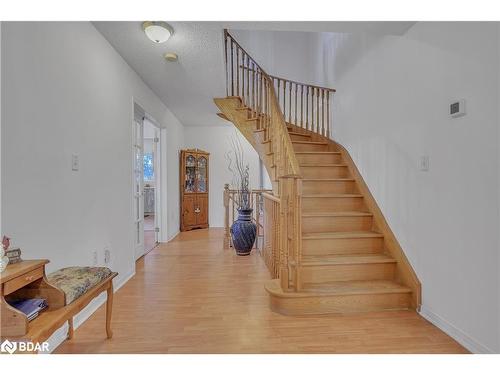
67 292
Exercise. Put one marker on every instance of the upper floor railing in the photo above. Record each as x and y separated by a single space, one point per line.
303 105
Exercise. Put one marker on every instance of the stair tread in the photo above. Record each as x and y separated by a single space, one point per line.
356 287
346 259
297 133
328 179
356 234
318 152
336 214
322 165
332 196
339 288
311 142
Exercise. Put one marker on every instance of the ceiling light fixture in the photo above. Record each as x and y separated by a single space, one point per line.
157 31
172 57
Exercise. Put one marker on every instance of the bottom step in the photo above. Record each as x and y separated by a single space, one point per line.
339 297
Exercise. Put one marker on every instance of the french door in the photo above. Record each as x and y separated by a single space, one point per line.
138 188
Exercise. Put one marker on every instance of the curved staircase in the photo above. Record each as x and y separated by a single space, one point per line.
331 250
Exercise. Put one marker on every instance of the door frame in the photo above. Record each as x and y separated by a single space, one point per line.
161 193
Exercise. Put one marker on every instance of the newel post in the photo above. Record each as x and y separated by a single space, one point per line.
227 235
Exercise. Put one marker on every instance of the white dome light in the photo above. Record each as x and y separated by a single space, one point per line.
156 31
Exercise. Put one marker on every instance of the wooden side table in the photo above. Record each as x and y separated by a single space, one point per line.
25 279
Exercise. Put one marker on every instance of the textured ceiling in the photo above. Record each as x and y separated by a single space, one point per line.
189 86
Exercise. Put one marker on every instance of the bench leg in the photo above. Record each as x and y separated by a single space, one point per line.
70 328
109 309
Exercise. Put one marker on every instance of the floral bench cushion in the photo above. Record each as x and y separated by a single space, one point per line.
76 281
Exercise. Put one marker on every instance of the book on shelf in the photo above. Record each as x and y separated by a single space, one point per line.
31 307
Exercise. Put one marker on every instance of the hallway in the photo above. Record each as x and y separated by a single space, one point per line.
191 296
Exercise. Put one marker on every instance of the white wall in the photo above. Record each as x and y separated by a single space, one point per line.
1 229
66 90
498 168
271 49
392 102
216 140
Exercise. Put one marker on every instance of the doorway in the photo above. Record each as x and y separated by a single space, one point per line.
147 183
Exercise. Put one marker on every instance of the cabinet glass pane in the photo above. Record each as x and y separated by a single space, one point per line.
189 183
202 174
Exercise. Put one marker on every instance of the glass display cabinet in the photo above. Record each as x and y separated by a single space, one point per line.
194 189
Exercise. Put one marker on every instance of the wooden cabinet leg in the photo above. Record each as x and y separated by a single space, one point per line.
70 328
109 310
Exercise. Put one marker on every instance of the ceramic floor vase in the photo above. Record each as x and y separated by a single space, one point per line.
243 232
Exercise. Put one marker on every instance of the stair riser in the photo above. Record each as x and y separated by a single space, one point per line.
336 224
324 172
309 147
328 187
315 204
337 246
341 304
300 137
348 272
319 158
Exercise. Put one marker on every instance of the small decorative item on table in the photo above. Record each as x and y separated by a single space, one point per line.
14 255
3 259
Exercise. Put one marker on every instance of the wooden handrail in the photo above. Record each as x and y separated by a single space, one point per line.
271 197
274 103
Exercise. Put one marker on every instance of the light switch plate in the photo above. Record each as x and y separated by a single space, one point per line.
75 162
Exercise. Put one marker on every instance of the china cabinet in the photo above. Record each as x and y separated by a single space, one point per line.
194 189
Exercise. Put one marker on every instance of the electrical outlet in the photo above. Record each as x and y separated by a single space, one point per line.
94 258
107 255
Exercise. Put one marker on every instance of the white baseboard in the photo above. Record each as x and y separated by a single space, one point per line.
456 333
173 236
59 336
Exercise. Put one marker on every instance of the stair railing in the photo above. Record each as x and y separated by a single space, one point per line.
246 80
305 106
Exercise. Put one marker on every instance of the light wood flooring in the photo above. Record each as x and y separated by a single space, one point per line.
191 296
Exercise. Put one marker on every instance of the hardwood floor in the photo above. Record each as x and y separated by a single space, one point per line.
191 296
149 233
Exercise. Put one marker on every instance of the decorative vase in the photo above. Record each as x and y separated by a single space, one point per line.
243 232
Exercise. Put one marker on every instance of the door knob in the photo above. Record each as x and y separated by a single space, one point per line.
197 210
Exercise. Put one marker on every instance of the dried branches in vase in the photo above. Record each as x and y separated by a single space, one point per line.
244 230
241 173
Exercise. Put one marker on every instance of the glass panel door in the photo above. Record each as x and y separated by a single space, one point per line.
138 189
202 174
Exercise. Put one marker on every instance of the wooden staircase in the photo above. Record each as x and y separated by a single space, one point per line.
329 247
